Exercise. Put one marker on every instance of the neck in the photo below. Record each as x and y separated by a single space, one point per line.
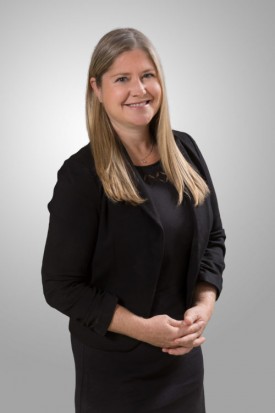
134 137
138 143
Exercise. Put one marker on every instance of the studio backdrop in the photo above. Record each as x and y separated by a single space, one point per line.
218 59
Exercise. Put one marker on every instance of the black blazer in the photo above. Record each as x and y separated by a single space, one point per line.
99 253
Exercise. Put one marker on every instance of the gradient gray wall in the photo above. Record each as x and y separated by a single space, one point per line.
218 58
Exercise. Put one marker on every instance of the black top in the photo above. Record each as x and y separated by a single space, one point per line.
177 224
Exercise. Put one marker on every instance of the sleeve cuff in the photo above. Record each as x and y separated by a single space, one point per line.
213 280
105 317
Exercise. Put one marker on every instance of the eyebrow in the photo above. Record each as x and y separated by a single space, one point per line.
127 74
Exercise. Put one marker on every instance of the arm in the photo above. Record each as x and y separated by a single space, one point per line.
68 251
212 263
160 331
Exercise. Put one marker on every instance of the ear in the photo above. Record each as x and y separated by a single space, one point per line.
96 88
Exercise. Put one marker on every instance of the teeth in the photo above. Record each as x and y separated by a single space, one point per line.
136 105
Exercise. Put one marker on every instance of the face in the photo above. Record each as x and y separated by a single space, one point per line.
130 91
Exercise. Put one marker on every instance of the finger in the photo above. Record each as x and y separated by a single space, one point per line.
201 326
178 351
186 341
194 328
199 341
192 340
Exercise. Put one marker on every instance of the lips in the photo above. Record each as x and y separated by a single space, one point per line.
138 104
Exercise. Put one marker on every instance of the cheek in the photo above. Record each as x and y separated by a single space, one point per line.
155 87
113 97
156 91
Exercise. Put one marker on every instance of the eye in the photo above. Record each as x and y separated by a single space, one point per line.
121 79
148 75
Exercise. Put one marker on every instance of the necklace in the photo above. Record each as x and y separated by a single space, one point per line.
144 160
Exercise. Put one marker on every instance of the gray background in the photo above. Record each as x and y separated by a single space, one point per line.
218 58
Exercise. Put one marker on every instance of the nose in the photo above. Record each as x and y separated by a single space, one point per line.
138 88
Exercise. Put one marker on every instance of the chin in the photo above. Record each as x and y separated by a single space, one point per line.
141 122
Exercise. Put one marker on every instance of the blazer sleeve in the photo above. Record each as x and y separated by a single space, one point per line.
212 263
71 239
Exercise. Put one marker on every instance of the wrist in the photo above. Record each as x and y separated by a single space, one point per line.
127 323
205 296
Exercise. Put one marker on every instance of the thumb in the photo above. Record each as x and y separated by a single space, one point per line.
175 323
190 317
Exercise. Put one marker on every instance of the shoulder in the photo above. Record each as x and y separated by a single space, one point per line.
77 176
80 163
192 153
82 159
189 148
185 140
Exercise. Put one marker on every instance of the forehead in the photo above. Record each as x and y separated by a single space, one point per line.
135 59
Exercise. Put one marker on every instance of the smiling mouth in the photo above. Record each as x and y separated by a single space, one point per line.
138 104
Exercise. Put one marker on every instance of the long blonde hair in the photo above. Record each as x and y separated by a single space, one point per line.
110 161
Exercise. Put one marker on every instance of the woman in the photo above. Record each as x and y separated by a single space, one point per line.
135 248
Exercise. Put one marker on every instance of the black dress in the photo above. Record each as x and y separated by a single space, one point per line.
145 379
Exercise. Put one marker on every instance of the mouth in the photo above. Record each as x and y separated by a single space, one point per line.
138 104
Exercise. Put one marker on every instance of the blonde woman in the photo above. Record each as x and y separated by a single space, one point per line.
135 249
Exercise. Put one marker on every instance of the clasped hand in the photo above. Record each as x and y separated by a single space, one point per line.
178 337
